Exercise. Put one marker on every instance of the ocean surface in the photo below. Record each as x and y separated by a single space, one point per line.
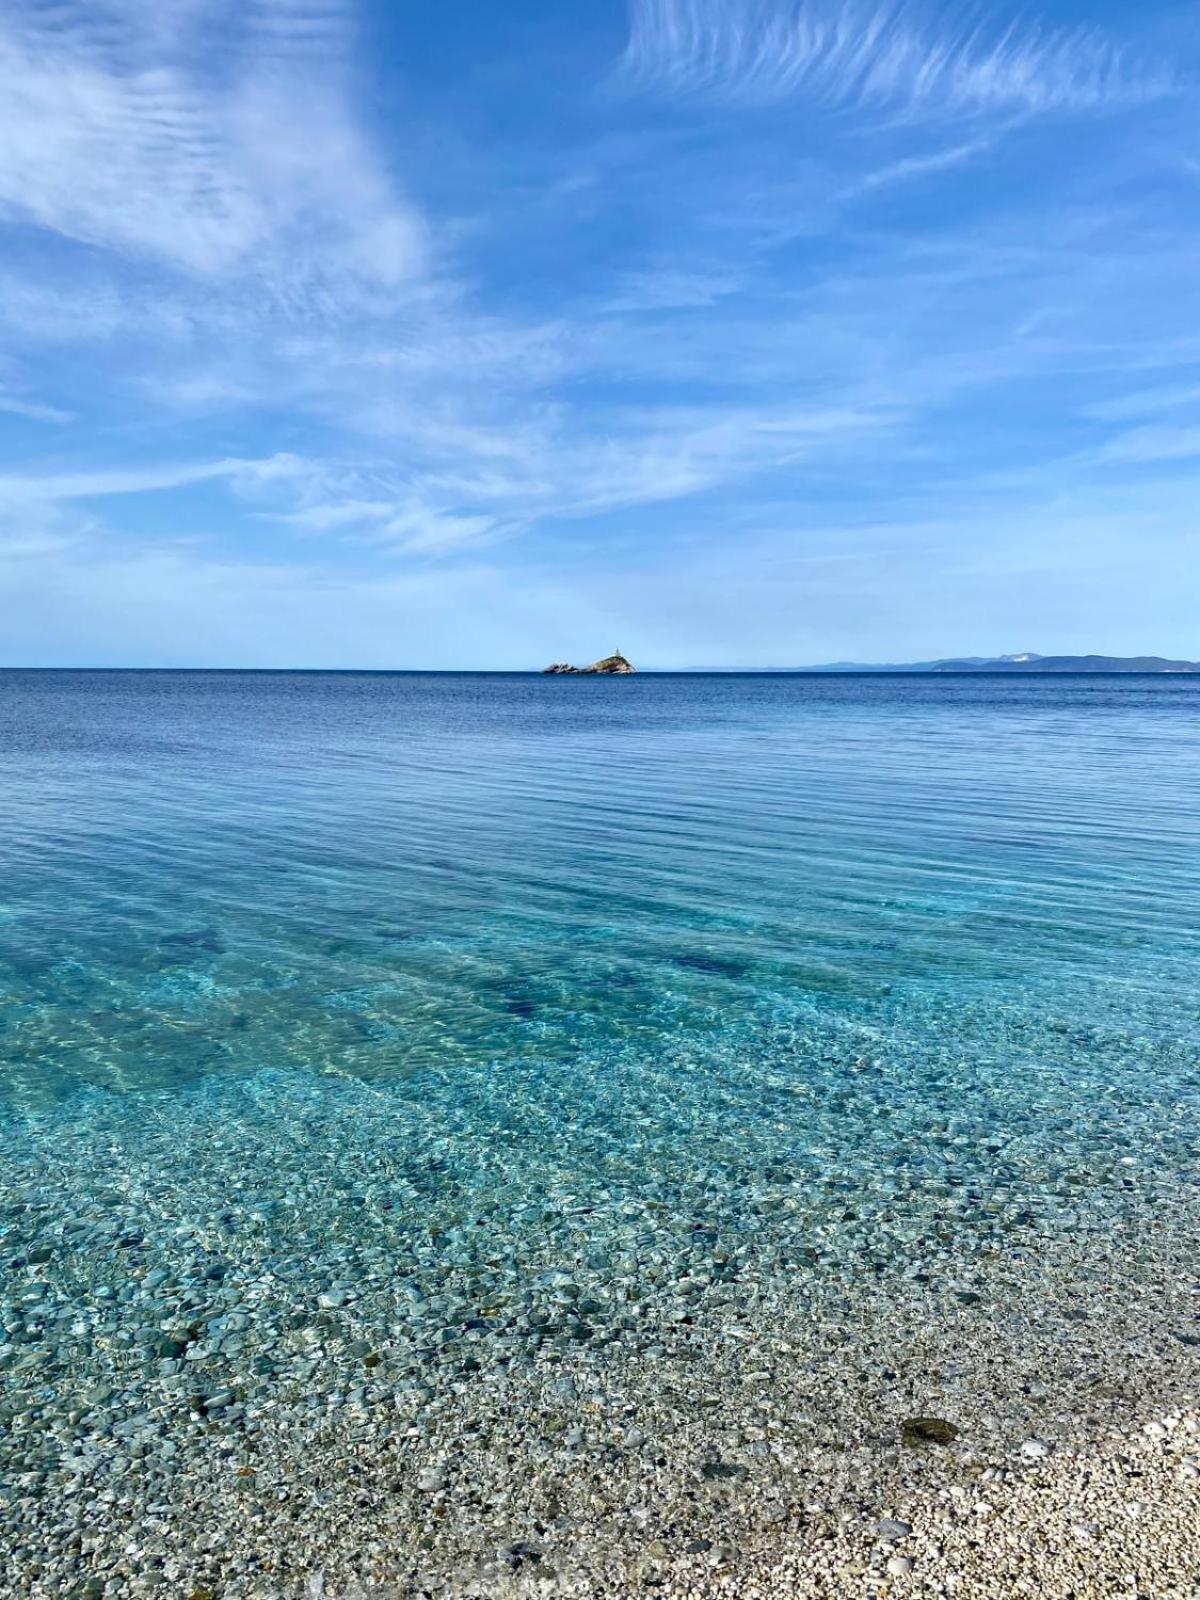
370 1036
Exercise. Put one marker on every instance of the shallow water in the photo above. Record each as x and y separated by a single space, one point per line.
486 1027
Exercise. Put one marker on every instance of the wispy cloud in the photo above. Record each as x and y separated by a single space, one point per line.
52 488
671 288
408 522
117 130
912 168
33 410
1153 443
456 500
1144 402
764 52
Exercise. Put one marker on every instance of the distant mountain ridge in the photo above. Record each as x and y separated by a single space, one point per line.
1073 664
1027 661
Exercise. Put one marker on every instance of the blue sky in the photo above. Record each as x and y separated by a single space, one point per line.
726 331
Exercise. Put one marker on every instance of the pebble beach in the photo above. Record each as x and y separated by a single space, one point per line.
1115 1518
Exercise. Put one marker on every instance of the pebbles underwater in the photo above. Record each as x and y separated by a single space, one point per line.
462 1140
472 1333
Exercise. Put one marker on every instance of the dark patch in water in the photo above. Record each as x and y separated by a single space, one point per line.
517 998
205 941
720 966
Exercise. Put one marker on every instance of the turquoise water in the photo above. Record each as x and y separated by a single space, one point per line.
489 1025
210 874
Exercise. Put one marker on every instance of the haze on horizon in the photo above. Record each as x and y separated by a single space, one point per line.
747 332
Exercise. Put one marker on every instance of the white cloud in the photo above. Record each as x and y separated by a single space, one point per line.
36 310
49 489
647 458
1144 402
112 135
764 52
669 288
911 167
34 410
1153 443
453 496
407 521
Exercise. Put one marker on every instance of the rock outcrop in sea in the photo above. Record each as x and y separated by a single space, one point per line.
613 665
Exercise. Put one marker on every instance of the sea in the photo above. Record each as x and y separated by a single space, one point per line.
396 1056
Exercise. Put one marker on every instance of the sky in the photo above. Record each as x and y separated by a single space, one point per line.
344 333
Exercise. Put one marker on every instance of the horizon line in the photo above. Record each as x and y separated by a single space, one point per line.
859 671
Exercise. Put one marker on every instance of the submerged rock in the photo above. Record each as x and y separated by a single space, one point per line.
614 665
890 1530
917 1431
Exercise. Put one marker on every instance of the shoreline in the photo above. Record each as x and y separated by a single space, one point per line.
1118 1517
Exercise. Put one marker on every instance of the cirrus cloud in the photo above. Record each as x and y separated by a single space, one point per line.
764 52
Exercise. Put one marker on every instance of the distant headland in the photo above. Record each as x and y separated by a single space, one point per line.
612 666
1027 661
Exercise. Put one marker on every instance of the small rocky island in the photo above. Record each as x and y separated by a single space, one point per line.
612 665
